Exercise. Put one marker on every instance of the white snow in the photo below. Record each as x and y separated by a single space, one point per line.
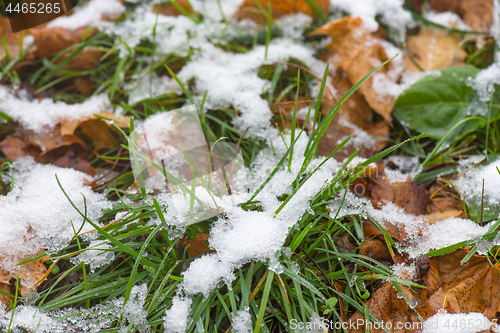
36 214
134 310
471 183
97 257
91 320
42 115
92 14
242 321
177 316
485 80
391 13
447 19
472 322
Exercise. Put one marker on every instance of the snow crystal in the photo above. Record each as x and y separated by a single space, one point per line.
443 322
242 321
404 271
134 309
176 319
84 320
231 80
447 19
36 214
485 81
471 183
96 258
90 15
293 26
38 115
391 13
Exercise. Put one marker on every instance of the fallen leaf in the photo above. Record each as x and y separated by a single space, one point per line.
86 60
84 86
170 10
6 300
14 147
354 117
48 147
476 14
197 246
356 51
69 127
52 40
252 9
434 49
456 288
474 287
375 186
376 249
99 133
387 306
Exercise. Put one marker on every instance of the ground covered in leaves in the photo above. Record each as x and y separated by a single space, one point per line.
252 165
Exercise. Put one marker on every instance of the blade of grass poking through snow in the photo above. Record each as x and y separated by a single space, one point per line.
317 106
143 249
288 198
318 10
294 120
15 303
263 303
318 134
146 262
269 26
440 143
276 169
172 74
274 82
193 17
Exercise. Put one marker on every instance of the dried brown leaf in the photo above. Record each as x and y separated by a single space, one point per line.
434 49
170 10
53 40
356 51
353 117
251 10
478 14
197 246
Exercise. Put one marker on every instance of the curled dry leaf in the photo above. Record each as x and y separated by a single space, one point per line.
477 14
197 246
356 51
434 49
253 9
